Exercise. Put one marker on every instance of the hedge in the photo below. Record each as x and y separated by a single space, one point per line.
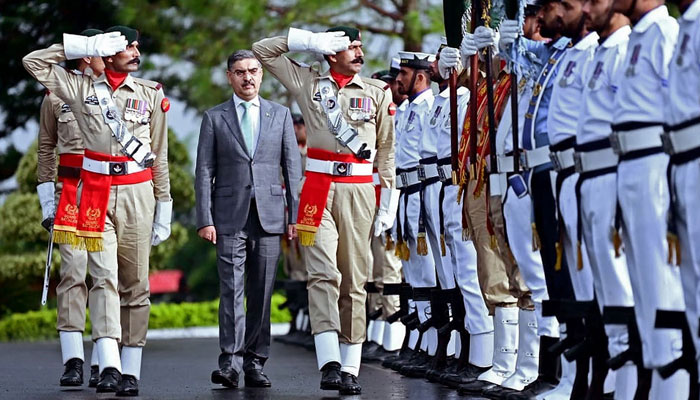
38 325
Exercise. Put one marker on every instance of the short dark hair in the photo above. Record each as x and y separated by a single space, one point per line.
239 55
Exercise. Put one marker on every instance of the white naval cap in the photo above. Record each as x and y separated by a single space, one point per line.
416 60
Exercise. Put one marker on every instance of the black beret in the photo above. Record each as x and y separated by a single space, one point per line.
90 32
352 33
131 34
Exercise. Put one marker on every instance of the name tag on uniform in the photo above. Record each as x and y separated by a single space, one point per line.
360 108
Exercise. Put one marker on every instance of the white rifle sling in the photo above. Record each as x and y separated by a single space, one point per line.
339 127
131 145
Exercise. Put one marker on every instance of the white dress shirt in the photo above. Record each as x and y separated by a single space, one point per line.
683 102
411 126
442 129
254 111
644 80
600 84
565 105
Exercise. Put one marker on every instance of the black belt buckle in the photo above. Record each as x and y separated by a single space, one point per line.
117 168
578 164
615 143
667 143
342 169
421 173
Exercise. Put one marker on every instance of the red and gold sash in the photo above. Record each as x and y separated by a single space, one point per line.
94 200
66 218
314 194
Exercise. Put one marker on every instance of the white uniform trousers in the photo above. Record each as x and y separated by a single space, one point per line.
443 264
517 213
644 199
686 185
463 255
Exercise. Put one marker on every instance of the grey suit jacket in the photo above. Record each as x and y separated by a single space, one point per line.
225 174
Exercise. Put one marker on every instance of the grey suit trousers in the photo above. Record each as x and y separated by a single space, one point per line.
247 265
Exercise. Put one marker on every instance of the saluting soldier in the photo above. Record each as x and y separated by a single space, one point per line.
683 146
124 196
349 126
59 134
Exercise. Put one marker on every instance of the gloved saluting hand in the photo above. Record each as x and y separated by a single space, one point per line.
102 45
327 43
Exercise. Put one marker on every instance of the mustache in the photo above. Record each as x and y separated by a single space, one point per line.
358 60
251 82
136 61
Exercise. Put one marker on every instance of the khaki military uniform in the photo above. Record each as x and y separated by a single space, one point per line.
338 262
59 133
131 208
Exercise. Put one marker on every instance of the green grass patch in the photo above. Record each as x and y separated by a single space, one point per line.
39 325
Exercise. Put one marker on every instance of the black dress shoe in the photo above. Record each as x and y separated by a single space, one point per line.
330 376
109 380
498 392
94 376
73 373
475 387
531 391
256 378
226 377
349 384
128 386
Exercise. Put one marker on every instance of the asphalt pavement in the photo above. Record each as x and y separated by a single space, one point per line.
181 368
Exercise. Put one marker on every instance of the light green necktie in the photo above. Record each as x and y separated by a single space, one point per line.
247 126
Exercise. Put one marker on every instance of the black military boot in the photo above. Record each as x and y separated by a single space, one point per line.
330 376
349 384
94 376
128 386
73 373
109 380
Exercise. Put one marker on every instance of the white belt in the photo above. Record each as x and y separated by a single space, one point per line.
562 159
444 172
638 139
427 171
681 140
534 158
338 168
505 164
595 160
406 179
111 167
498 183
375 178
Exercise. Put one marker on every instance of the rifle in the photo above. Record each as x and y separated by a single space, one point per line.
453 11
514 9
47 271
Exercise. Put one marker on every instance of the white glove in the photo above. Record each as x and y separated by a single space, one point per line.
388 204
450 59
102 45
485 37
46 192
161 222
327 43
509 31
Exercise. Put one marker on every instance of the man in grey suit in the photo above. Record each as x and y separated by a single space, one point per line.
243 143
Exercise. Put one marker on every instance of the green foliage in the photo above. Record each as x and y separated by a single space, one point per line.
162 255
37 325
20 218
8 162
197 259
26 170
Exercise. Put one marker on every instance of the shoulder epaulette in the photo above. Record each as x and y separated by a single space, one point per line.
151 84
376 83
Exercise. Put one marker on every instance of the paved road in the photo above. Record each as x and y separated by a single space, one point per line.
180 369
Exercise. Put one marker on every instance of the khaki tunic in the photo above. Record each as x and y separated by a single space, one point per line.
59 133
131 207
339 261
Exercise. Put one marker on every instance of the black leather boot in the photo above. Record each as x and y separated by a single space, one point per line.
73 373
330 376
109 380
128 386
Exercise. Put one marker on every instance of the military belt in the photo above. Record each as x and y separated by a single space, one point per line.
638 139
427 169
594 156
111 167
338 168
676 141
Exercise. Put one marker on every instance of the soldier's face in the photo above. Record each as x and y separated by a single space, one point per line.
572 20
245 77
348 62
551 19
396 96
96 64
403 81
127 60
434 71
623 6
531 26
598 14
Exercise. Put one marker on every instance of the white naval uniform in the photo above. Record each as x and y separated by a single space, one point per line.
643 195
418 270
562 122
684 105
463 253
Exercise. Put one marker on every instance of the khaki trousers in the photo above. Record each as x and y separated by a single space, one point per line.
339 260
499 277
293 263
386 268
120 288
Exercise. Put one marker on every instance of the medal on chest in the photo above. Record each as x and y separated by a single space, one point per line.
136 111
360 108
565 81
411 119
633 60
596 74
436 114
684 47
